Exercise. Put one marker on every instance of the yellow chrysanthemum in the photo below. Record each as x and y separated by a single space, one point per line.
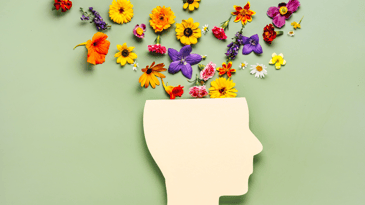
121 11
125 55
222 88
278 60
161 18
192 4
188 32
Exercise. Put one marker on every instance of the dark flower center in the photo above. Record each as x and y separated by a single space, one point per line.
252 42
149 71
121 10
222 91
125 53
95 44
161 17
188 32
190 1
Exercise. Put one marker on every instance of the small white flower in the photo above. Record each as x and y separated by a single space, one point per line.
259 70
291 33
205 29
135 66
243 65
204 57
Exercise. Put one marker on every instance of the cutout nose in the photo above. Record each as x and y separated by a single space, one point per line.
257 144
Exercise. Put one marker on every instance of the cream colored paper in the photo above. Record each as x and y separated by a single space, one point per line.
203 147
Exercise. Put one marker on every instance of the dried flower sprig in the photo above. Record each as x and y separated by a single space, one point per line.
95 17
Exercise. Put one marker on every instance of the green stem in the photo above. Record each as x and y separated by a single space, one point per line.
301 20
158 39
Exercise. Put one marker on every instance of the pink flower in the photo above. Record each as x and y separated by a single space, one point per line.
157 48
219 33
139 30
208 72
198 91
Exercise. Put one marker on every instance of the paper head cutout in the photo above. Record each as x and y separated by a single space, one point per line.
203 147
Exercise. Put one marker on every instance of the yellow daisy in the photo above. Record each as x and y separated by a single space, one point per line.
222 88
121 11
188 32
278 60
125 55
192 4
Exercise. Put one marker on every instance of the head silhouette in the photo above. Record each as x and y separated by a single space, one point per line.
203 147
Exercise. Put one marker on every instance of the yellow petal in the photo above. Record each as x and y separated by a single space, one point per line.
191 7
117 54
133 55
185 5
123 61
130 60
193 40
273 55
130 49
119 47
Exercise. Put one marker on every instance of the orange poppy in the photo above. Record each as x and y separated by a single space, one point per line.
150 74
97 48
243 14
226 69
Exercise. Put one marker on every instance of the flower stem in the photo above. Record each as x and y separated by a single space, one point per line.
81 44
301 20
278 33
158 39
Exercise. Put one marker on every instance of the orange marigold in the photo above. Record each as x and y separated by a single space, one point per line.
161 18
243 14
97 48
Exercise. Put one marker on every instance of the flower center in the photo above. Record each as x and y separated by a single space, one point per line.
222 91
252 42
243 12
243 65
125 53
283 10
190 1
149 71
121 10
161 17
259 68
291 32
139 31
188 32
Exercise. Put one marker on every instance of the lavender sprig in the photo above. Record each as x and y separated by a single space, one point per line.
234 46
95 17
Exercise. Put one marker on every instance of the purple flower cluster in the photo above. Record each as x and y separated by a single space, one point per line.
234 46
97 19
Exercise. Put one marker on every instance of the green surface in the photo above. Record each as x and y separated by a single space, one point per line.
72 134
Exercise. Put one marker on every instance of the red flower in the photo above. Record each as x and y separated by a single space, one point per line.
157 48
63 4
219 33
269 33
177 92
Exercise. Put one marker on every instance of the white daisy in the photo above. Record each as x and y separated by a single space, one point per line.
259 70
135 66
291 33
205 29
243 65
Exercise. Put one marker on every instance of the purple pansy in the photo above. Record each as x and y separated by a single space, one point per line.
251 44
139 30
183 61
282 12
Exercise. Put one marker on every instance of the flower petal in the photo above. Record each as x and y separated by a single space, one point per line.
279 21
187 70
293 5
273 11
247 49
258 49
255 37
185 51
193 59
174 54
174 67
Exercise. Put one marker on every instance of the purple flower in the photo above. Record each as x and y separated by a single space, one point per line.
183 61
139 30
282 12
251 44
98 20
232 50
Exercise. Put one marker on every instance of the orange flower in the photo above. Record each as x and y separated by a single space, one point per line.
226 69
97 48
150 73
161 18
243 14
173 91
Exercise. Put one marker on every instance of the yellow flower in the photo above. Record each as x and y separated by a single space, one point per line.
278 60
150 74
222 88
192 4
125 55
188 32
161 18
121 11
295 25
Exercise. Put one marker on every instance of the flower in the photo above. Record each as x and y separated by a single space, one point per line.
222 88
278 60
192 4
270 33
97 48
183 61
205 28
259 70
135 66
121 11
150 74
63 4
243 65
291 33
251 44
157 48
139 30
243 14
97 19
282 11
204 57
125 55
295 24
188 32
161 18
232 51
219 33
198 91
226 69
208 72
173 91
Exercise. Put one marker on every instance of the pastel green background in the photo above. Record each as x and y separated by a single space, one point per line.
71 133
